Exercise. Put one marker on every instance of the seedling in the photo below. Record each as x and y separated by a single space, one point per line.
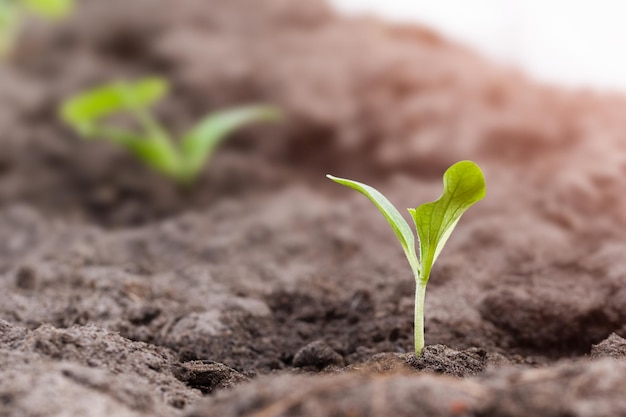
13 12
463 185
89 113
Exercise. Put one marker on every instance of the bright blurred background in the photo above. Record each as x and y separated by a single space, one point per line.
574 43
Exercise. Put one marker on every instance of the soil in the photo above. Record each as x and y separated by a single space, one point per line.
267 290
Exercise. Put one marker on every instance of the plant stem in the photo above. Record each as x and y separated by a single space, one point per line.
420 297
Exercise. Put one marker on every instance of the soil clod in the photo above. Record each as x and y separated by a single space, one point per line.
317 355
208 376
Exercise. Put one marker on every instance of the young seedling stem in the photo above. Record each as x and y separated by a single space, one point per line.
463 186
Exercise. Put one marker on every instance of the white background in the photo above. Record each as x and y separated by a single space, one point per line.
576 43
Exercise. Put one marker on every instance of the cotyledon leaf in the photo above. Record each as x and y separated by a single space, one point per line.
51 9
400 227
200 142
9 26
85 110
463 185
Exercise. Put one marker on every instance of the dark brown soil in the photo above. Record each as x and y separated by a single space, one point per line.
265 287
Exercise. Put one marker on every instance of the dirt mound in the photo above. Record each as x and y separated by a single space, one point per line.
86 370
581 389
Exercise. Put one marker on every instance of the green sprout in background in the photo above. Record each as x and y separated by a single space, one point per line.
463 185
181 160
13 12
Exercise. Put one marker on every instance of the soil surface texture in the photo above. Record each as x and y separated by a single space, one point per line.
266 290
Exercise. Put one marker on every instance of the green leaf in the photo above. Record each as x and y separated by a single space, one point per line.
51 9
394 218
198 144
9 25
86 109
463 185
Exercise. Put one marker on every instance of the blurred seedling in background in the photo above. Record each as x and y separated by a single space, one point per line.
13 13
89 114
463 185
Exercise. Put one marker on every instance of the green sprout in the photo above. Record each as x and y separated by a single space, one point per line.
13 13
88 113
463 185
